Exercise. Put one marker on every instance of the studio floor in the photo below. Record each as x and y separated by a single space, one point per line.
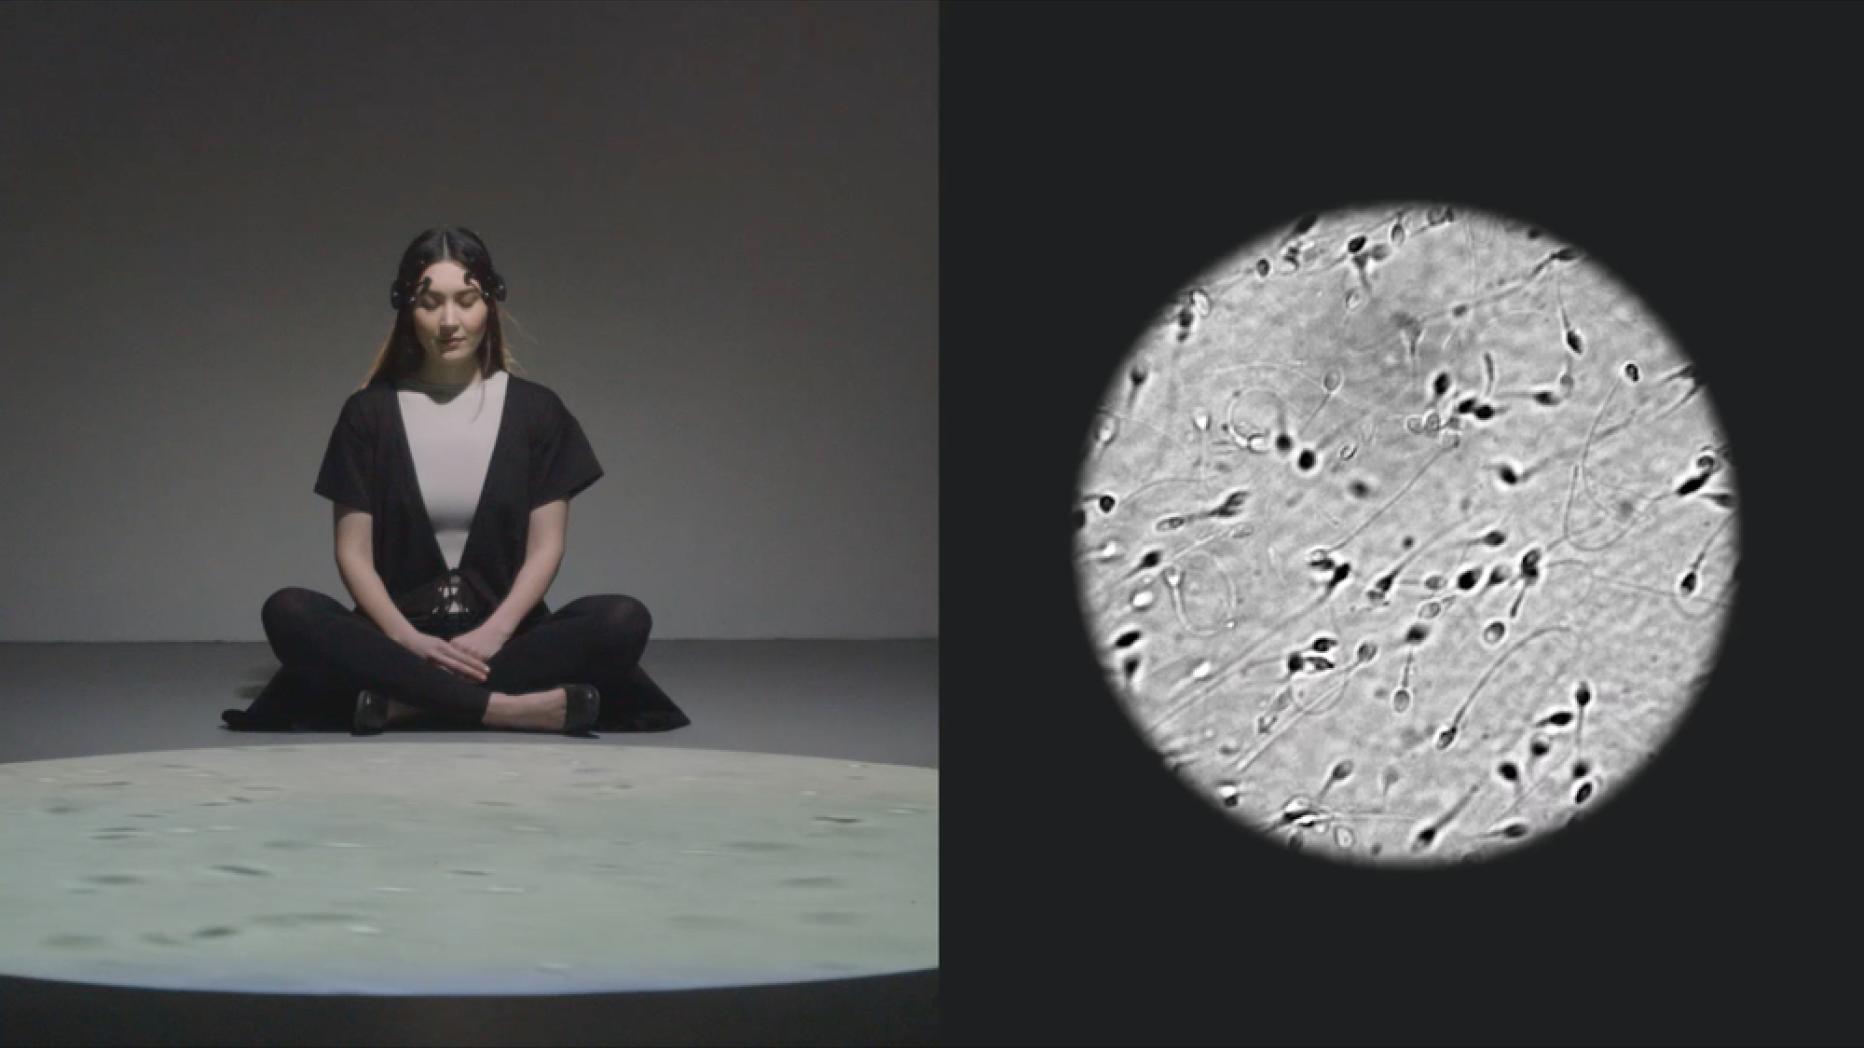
860 700
871 701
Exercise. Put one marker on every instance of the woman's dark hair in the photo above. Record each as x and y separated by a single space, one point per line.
400 354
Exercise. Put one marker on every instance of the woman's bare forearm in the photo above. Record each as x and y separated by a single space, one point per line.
533 581
372 597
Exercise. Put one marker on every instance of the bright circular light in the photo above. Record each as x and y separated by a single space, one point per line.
494 868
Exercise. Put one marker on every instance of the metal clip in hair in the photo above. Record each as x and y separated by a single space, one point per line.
494 285
401 293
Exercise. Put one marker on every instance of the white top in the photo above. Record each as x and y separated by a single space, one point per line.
451 430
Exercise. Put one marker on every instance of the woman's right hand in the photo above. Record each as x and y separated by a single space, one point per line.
442 653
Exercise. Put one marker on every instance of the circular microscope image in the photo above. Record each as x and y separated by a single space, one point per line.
1406 534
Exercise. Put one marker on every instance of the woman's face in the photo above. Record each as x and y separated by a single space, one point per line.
449 313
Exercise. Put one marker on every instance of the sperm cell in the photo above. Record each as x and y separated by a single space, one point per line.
1231 506
1300 814
1686 373
1130 668
1229 792
1173 577
1582 698
1318 818
1530 575
1419 551
1394 500
1274 707
1291 258
1331 382
1339 773
1580 479
1106 431
1508 829
1702 552
1575 340
1323 705
1136 377
1112 549
1253 438
1185 323
1594 436
1341 572
1510 773
1191 701
1475 692
1112 423
1427 835
1524 793
1690 583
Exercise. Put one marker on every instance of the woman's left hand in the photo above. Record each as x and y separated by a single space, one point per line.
482 641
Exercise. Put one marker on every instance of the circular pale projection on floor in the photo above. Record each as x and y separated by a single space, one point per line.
512 868
1406 533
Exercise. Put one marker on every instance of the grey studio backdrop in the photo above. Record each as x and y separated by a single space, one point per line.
719 227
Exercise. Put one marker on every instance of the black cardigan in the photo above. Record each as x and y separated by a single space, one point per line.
540 455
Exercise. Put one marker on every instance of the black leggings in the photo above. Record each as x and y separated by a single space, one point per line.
330 652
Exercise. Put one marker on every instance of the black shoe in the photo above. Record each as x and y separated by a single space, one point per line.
585 703
371 713
246 720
